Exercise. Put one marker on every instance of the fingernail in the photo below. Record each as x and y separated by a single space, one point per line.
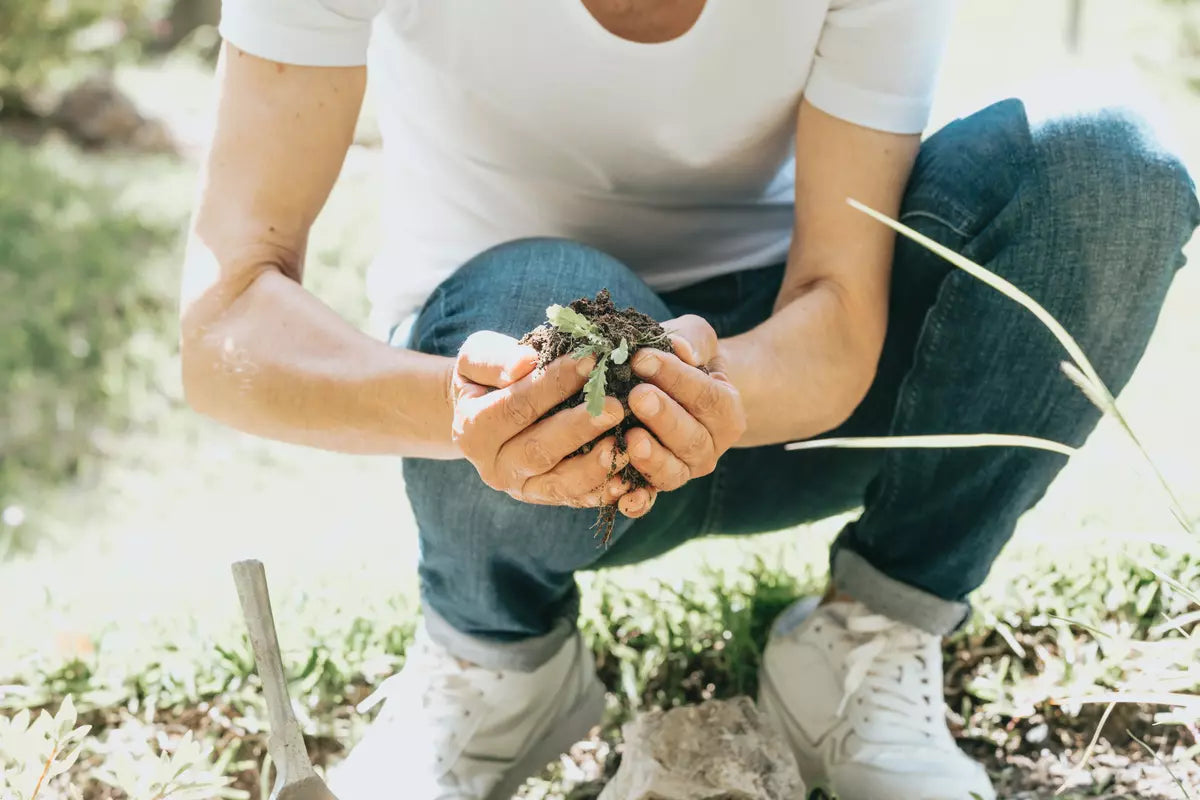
606 455
648 404
606 420
615 490
584 367
647 365
641 448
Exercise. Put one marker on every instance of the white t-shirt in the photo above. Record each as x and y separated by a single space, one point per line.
510 118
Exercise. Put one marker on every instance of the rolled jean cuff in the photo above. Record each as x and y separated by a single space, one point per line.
855 576
522 655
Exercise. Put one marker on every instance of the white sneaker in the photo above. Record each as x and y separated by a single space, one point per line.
859 696
455 732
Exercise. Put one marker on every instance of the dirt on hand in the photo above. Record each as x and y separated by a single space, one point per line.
611 335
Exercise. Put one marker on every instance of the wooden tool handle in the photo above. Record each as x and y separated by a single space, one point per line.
288 751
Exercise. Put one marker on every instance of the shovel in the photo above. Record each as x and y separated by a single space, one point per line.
295 778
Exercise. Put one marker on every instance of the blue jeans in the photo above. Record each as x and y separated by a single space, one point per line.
1087 214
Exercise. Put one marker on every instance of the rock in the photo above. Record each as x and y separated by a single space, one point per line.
1038 734
718 750
98 114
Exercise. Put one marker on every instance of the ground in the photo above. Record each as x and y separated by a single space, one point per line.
130 605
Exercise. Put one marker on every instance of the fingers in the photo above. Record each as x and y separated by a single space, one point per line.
488 358
484 423
693 339
638 502
660 466
538 448
584 481
677 430
711 399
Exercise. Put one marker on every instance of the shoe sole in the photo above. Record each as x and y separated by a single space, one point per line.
569 729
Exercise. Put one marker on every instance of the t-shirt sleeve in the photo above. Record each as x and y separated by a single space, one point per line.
877 61
315 33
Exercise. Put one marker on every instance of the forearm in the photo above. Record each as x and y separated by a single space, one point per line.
259 352
803 371
276 362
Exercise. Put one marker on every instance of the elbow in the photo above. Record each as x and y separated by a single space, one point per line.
849 399
850 393
203 326
196 368
217 309
206 360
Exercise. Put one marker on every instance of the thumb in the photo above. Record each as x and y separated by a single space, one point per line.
492 359
693 339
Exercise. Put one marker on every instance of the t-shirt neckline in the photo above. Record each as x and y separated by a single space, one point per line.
610 39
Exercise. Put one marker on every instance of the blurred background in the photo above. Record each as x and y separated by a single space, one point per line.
120 509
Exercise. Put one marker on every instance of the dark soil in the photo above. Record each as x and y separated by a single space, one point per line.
639 330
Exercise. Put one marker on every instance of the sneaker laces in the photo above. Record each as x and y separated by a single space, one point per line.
446 695
880 673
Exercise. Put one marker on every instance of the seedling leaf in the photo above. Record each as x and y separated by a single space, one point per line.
593 390
620 355
573 323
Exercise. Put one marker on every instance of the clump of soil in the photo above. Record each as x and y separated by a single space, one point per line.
611 327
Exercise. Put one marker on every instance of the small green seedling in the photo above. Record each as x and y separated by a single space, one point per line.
595 344
596 328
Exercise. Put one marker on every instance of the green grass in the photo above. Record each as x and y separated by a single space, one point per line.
84 315
658 643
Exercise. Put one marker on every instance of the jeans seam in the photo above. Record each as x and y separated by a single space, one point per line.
961 230
928 342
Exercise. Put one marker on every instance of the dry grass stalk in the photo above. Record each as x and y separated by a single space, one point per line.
1085 377
1079 370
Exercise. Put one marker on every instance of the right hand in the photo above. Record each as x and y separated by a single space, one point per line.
498 402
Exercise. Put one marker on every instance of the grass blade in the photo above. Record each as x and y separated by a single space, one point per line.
1173 699
1087 753
1096 390
1154 754
1080 380
1176 585
996 282
1078 624
936 441
1179 623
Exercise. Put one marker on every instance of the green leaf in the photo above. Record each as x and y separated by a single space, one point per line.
593 390
66 717
621 353
572 322
585 350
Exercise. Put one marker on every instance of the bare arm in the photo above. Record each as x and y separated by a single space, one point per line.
804 370
259 352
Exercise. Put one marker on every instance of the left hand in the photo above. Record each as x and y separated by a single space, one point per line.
694 416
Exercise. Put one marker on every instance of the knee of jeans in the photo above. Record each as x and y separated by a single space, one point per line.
508 287
1122 205
1110 171
462 519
